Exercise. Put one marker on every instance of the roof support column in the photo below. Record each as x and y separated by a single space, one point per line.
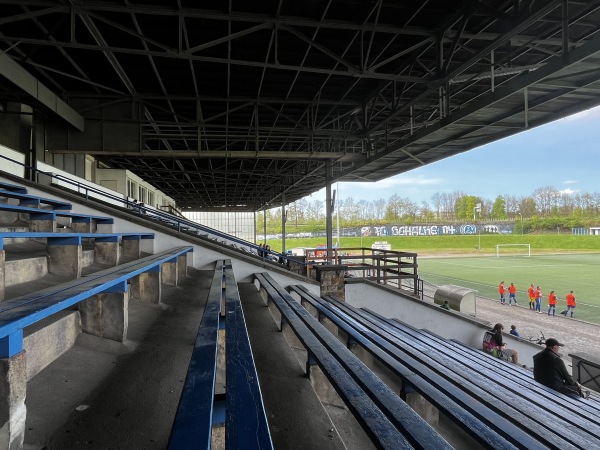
283 220
328 208
565 27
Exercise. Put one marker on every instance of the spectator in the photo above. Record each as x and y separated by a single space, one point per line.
531 294
538 300
445 305
512 294
552 303
494 344
502 291
570 303
550 370
513 331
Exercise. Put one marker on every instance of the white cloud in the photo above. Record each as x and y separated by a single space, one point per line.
569 191
570 182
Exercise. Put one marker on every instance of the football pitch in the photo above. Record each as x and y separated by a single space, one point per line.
561 273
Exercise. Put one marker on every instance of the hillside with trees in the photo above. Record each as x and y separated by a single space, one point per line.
546 208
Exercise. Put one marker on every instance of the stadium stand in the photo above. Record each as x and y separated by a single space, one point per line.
491 404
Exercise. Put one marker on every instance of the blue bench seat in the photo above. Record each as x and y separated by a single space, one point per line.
20 312
33 200
71 238
12 187
199 409
44 214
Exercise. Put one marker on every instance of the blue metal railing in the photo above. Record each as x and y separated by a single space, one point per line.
180 223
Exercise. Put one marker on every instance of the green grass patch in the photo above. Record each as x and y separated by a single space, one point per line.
560 273
559 262
460 245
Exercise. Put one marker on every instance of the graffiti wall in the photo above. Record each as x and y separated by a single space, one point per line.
434 230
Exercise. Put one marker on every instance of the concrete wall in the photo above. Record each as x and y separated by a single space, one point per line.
10 167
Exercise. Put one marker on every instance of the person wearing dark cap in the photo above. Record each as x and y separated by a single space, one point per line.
549 369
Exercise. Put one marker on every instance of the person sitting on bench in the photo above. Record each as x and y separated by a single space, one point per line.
494 344
550 370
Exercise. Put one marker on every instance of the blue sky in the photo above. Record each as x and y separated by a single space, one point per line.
564 154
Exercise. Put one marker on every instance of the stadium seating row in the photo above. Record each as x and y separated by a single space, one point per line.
480 394
200 408
385 417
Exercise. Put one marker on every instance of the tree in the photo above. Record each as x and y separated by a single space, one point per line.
527 207
465 206
546 199
499 208
379 207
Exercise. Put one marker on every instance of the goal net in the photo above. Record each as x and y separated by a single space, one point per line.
513 250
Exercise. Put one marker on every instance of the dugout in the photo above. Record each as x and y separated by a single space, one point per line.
459 298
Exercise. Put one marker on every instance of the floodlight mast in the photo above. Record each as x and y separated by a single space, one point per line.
477 209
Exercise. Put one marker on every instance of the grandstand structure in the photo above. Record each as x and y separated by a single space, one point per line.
125 325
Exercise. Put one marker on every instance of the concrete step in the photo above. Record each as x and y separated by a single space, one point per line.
105 394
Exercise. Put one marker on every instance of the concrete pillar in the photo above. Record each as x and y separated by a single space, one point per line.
361 353
131 248
107 251
169 273
322 386
420 405
106 315
328 324
296 264
290 336
13 412
2 277
181 267
42 225
147 286
332 281
82 226
65 259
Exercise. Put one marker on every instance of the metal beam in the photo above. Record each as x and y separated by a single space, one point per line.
205 154
38 91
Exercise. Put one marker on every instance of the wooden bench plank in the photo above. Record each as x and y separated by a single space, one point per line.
47 214
385 417
246 422
504 402
515 378
26 199
490 429
69 238
192 427
12 187
509 376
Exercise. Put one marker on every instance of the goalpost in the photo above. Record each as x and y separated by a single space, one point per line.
518 252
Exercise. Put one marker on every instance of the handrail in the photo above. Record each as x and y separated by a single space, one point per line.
178 222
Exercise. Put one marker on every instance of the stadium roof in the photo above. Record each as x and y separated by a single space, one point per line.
237 105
